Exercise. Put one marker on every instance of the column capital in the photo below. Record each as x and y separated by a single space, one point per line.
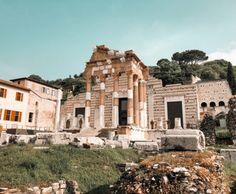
130 73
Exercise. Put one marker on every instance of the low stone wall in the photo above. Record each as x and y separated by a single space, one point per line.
229 155
60 187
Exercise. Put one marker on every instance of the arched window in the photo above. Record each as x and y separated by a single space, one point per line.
68 124
204 104
212 104
221 103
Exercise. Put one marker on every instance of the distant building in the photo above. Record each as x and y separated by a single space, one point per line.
13 104
120 92
39 104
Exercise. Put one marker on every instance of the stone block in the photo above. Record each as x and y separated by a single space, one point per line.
146 146
46 190
229 155
181 140
55 186
24 138
59 138
4 138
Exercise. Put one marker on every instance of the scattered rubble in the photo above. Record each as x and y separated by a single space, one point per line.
175 172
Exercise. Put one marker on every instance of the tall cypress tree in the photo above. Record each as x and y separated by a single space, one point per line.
231 78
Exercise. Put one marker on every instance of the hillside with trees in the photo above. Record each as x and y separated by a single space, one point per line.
193 62
75 84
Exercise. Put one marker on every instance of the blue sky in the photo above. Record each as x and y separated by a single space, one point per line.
54 38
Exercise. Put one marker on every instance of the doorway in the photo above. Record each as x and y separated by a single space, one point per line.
174 110
123 104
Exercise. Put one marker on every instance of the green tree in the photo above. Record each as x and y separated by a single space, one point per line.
168 71
36 77
208 74
79 87
189 57
231 78
208 126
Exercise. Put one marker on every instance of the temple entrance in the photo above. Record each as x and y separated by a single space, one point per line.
174 111
123 102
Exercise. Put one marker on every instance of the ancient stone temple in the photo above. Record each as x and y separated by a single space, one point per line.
122 96
115 89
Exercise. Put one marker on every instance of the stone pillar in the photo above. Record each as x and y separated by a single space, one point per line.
141 103
136 102
178 123
115 101
130 99
58 109
102 102
87 103
145 103
160 123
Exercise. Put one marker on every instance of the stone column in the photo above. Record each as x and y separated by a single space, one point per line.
145 103
102 102
58 109
130 110
141 103
115 101
136 102
87 103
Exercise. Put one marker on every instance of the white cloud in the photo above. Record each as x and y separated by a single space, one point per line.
227 55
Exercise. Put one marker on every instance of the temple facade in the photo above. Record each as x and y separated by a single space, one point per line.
120 92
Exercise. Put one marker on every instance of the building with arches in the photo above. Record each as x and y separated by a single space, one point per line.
121 94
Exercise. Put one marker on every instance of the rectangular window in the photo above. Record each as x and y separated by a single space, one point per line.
0 114
10 115
79 111
7 115
30 120
44 90
3 92
19 96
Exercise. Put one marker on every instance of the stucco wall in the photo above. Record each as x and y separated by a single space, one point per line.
10 103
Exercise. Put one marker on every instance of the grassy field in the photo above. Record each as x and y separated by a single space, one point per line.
94 170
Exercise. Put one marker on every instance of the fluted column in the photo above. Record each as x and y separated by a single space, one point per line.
130 99
102 102
87 103
136 102
115 101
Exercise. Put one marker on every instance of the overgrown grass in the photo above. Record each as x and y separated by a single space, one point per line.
23 166
230 170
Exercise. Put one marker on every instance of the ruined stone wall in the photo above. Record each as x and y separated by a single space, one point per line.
213 92
72 102
68 108
158 96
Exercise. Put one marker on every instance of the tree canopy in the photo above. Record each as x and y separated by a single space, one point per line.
231 78
187 63
189 57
